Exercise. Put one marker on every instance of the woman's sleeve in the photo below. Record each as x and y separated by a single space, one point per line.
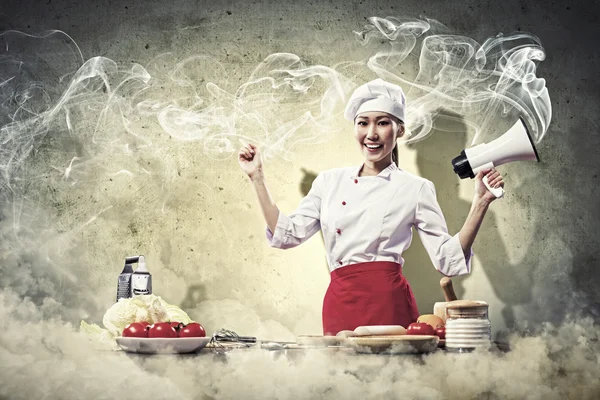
303 223
444 250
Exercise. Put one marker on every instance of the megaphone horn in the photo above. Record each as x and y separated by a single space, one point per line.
515 145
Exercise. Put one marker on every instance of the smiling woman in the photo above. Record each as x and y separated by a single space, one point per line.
376 133
367 214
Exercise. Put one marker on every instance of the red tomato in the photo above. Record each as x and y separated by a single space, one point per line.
192 329
176 325
146 325
441 333
162 330
135 329
420 328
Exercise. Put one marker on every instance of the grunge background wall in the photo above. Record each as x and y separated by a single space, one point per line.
108 151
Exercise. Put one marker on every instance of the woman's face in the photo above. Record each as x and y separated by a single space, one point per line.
376 133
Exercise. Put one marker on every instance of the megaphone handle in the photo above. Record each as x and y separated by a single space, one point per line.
498 192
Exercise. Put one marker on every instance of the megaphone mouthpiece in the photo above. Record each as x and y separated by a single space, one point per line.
462 167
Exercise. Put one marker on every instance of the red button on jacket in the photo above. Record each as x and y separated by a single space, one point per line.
338 231
343 203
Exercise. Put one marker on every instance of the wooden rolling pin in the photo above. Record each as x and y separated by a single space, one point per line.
448 289
439 308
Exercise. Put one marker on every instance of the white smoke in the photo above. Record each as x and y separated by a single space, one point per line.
282 102
561 362
481 82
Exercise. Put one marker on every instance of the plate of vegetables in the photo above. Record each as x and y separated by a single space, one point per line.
163 337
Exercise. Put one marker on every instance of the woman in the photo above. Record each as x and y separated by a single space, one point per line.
367 214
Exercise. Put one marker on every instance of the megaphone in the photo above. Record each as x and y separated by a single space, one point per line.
515 145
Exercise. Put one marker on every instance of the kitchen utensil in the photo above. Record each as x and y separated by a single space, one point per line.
439 308
162 345
271 345
133 283
400 344
222 336
320 341
141 280
124 281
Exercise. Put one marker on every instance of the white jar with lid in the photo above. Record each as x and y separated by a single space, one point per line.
467 326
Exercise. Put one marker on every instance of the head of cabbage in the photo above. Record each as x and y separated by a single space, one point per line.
149 308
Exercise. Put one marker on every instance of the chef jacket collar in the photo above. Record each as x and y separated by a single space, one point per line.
385 173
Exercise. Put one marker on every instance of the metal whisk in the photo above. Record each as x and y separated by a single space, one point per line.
225 335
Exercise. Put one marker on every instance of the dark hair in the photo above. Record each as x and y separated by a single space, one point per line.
395 151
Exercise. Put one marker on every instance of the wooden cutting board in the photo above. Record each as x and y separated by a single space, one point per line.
402 344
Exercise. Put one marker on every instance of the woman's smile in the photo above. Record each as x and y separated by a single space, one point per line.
373 148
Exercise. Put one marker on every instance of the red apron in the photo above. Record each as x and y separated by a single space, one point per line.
369 293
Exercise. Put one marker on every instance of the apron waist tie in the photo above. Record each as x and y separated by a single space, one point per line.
365 267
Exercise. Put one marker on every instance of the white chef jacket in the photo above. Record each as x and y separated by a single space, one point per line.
370 218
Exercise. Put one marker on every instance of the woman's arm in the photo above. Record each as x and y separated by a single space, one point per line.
468 232
250 159
481 201
283 231
451 255
268 206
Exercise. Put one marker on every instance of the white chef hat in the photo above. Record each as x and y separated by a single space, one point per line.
377 95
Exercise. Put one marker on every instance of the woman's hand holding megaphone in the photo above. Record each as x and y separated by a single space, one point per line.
489 185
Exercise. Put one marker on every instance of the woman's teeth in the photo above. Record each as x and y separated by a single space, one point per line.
373 146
